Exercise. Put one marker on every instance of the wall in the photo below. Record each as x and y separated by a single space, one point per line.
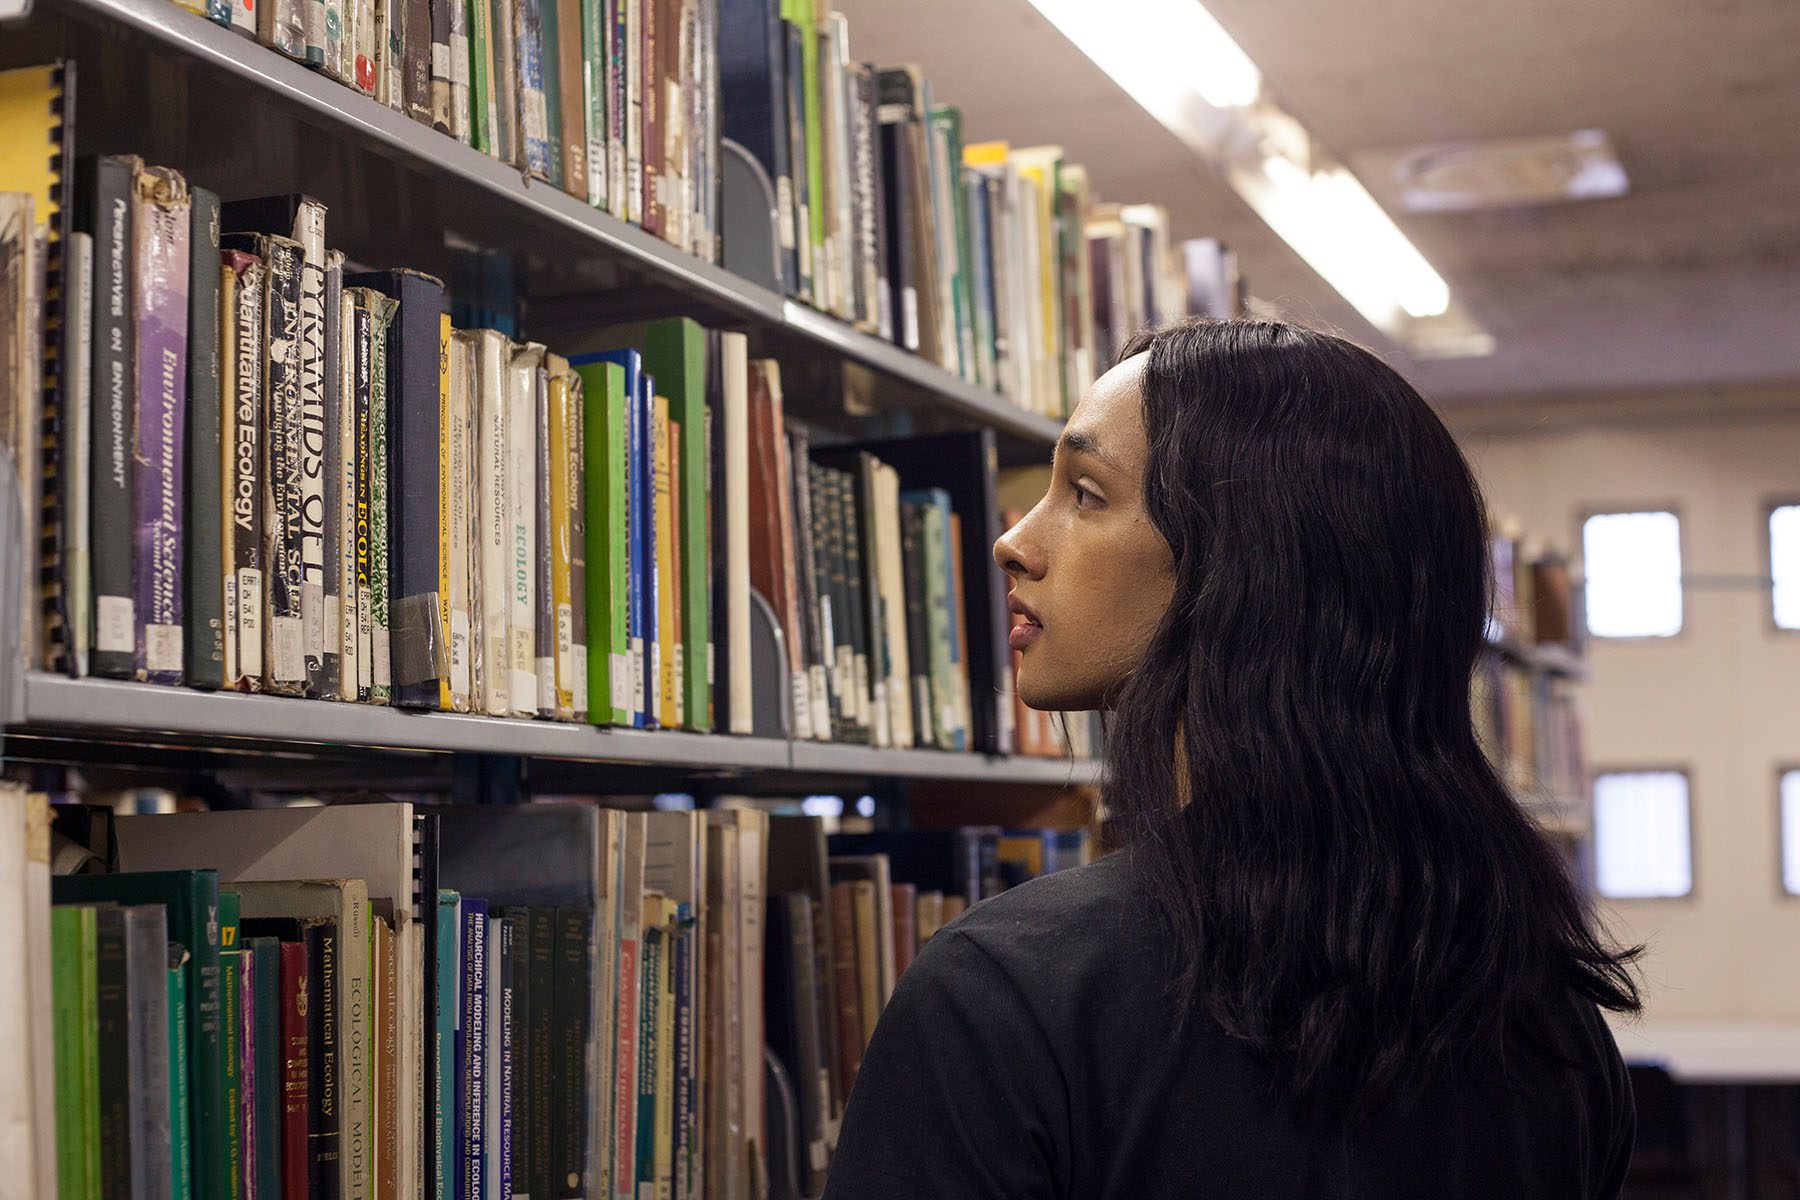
1721 699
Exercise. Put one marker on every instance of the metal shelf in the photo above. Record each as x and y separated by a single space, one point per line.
105 711
400 191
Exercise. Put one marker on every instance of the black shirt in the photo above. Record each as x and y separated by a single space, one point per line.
1028 1053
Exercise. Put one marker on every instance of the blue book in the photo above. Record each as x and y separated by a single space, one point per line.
636 492
753 106
506 1077
646 584
471 1055
447 1009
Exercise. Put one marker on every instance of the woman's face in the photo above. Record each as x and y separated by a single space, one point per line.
1091 576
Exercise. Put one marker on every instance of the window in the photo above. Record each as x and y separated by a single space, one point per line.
1790 832
1632 562
1784 564
1642 840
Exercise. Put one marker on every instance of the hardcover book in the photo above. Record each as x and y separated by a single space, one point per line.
204 601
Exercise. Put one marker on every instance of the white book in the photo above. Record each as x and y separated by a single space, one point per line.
492 583
343 488
521 527
893 598
734 363
633 207
753 828
724 1052
27 1124
456 481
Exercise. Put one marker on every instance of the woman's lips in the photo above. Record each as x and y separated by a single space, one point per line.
1023 634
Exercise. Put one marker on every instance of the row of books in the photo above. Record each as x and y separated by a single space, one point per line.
993 261
568 1001
1533 730
1534 593
612 101
274 472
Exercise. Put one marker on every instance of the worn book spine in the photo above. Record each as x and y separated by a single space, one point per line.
918 639
345 431
492 584
793 110
360 45
459 475
503 47
103 196
448 417
438 67
383 312
631 50
618 107
460 71
332 686
203 639
160 211
283 651
296 1068
521 528
532 150
415 59
549 563
481 81
643 548
309 232
363 393
390 86
558 538
244 16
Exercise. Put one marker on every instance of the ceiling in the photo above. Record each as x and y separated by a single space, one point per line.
1691 280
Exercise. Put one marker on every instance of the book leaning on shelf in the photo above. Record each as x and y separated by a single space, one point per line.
537 1000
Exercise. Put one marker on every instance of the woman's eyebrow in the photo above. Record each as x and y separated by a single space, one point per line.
1081 442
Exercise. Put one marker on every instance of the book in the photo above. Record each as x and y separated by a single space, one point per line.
265 953
103 211
338 489
415 58
771 529
471 1051
795 1028
28 1134
503 47
296 1067
663 651
606 520
546 565
492 578
533 140
144 1093
574 462
382 313
417 413
358 434
458 498
203 599
73 936
521 528
241 311
481 78
560 478
846 982
442 66
281 25
160 229
191 898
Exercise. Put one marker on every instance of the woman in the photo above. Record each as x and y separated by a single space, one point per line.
1332 959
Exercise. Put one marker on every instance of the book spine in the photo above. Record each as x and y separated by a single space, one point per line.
549 19
360 47
662 1166
793 68
390 48
618 107
490 588
337 399
651 39
457 483
160 211
481 98
536 1113
242 335
231 1018
324 1122
296 1067
281 24
681 970
503 48
533 147
383 310
473 1050
580 49
204 599
503 1082
574 466
631 53
343 426
656 551
107 181
416 56
521 530
109 1041
266 1107
359 615
649 1012
181 1156
558 536
148 1103
243 17
567 1049
550 561
518 1005
284 658
439 67
637 441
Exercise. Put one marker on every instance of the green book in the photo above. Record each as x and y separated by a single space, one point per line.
549 38
192 899
481 81
181 1157
801 12
596 16
649 1015
76 1024
113 1050
265 983
232 1018
947 120
608 536
674 350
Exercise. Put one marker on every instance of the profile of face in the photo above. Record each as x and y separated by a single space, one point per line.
1090 575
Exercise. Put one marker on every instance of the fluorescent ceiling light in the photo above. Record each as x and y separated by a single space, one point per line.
1159 46
1335 225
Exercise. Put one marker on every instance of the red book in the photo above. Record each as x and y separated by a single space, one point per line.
906 927
296 1103
843 969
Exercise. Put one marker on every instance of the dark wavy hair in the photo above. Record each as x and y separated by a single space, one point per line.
1293 768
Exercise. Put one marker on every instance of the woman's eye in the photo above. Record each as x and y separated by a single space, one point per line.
1084 498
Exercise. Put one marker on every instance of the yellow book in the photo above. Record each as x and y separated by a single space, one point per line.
1040 164
561 537
668 715
1027 851
985 154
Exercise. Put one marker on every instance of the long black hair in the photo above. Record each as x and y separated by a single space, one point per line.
1293 767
